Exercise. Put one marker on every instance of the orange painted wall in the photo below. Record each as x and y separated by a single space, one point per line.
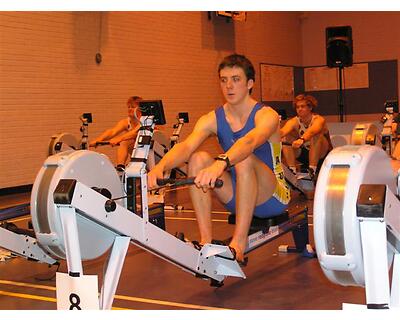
49 76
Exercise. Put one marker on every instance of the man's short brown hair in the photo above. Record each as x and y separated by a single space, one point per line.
239 60
309 99
133 99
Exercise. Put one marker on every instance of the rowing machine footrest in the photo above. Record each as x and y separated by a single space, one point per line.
216 284
263 223
307 252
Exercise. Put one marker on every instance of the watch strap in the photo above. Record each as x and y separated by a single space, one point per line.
224 158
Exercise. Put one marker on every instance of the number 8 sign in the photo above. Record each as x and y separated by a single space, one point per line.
77 293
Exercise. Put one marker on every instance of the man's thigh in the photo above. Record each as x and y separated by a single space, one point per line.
325 147
265 179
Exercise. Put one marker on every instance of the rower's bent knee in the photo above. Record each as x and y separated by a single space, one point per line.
244 166
199 160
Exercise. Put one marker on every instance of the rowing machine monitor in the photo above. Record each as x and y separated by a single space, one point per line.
184 116
87 117
153 108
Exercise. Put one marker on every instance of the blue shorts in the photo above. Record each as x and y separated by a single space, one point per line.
270 208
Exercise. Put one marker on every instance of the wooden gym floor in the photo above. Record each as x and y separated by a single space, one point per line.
275 281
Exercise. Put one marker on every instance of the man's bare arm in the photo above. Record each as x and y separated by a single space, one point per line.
180 153
316 128
110 133
131 134
288 127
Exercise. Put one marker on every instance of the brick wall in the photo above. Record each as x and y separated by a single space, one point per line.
49 76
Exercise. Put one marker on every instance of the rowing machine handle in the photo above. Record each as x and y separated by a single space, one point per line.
104 143
180 182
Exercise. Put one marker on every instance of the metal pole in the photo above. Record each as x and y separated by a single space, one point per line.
341 103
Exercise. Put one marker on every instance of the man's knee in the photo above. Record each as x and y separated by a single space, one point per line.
245 166
317 140
320 144
199 160
123 145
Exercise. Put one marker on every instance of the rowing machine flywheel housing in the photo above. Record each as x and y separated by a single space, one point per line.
336 227
90 168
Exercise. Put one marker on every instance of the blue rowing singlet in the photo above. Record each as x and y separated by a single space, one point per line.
269 153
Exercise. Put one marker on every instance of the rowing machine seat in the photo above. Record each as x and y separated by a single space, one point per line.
258 224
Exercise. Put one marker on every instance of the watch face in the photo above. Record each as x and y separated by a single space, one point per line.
225 158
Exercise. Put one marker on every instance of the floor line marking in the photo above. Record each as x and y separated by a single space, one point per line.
27 285
41 298
167 303
120 297
27 296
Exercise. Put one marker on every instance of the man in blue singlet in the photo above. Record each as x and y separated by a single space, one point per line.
250 166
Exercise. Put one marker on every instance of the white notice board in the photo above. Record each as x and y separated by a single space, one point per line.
277 82
324 78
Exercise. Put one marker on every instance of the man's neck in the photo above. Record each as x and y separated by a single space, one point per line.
306 119
242 108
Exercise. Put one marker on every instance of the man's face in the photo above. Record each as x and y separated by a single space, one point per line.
131 108
234 84
302 109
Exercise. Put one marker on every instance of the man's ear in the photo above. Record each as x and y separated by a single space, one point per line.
250 84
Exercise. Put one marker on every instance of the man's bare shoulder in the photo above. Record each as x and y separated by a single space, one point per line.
319 117
207 122
123 123
266 108
293 121
266 116
267 111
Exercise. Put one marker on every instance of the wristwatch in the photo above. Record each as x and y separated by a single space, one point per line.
224 157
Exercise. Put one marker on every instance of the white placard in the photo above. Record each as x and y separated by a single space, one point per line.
324 78
77 293
277 83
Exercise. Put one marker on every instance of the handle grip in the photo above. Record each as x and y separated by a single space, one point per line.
104 143
181 182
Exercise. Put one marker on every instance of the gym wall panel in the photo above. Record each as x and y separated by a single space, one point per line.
382 86
49 76
376 35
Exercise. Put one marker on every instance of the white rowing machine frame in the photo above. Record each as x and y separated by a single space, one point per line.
72 221
356 225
